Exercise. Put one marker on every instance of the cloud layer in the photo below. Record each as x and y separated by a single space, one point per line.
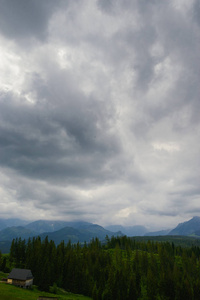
99 110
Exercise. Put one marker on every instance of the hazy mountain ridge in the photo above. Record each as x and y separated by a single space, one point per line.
5 223
79 235
136 230
84 231
10 233
42 226
158 233
191 227
57 231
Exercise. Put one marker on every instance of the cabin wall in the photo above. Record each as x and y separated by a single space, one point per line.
22 283
29 282
9 281
18 282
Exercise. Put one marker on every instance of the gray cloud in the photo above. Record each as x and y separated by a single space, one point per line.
99 110
22 19
58 142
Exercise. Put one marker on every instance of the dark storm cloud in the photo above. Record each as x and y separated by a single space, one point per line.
196 11
21 19
166 213
63 140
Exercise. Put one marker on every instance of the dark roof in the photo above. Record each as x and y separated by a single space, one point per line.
20 274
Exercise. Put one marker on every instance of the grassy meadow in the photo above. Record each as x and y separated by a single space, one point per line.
9 292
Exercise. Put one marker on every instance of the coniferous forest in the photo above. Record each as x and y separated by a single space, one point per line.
120 269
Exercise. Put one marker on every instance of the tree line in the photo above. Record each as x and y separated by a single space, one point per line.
122 268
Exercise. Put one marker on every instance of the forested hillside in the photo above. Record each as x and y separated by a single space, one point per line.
122 269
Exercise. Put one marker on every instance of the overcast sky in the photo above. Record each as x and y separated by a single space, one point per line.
100 111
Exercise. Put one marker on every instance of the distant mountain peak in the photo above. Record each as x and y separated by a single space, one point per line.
189 227
196 218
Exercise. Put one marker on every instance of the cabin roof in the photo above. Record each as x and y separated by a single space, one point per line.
20 274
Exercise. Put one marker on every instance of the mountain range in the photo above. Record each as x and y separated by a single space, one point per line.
83 231
57 231
75 231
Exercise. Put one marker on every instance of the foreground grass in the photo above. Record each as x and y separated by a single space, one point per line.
10 292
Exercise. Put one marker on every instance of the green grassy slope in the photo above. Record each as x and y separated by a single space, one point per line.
9 292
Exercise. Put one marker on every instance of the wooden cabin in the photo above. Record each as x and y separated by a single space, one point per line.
20 277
